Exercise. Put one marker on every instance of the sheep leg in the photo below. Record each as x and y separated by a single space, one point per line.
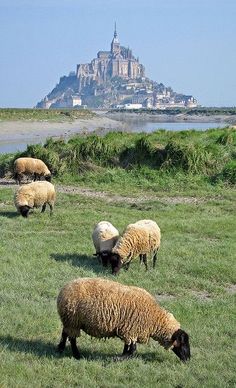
43 208
75 350
140 258
126 350
127 266
145 261
51 208
62 344
19 178
132 349
155 258
129 350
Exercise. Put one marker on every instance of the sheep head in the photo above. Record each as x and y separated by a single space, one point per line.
115 261
180 345
24 210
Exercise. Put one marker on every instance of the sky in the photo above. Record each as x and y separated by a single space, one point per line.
189 45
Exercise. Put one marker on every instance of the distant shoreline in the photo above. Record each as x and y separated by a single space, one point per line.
31 131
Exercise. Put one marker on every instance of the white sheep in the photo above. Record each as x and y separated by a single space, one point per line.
103 308
35 194
140 238
31 167
104 237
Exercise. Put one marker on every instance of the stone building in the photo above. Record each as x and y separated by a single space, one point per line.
118 62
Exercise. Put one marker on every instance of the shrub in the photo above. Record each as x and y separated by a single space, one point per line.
228 137
229 172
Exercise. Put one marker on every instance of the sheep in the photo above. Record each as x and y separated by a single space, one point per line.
104 237
140 238
35 194
103 308
30 166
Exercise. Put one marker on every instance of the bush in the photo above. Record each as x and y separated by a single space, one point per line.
229 172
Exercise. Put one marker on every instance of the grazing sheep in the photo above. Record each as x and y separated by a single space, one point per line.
31 167
35 194
141 238
103 308
104 237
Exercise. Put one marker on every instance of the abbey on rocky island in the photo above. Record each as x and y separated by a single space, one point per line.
115 79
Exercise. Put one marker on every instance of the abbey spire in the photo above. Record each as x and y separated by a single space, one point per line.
115 44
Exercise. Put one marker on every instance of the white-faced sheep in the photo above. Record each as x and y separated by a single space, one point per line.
35 194
32 167
104 237
103 308
141 238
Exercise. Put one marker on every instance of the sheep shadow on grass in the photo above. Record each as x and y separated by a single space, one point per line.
9 214
49 350
36 346
83 261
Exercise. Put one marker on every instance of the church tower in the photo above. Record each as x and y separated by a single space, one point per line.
115 45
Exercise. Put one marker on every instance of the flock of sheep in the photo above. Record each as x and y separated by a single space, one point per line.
101 307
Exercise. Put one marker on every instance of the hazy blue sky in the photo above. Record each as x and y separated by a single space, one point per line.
189 45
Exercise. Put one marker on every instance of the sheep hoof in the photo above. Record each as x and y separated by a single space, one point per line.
76 355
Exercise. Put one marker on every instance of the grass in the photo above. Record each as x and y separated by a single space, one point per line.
194 279
14 114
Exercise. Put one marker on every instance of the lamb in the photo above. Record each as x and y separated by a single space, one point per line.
35 194
140 238
29 167
104 237
103 308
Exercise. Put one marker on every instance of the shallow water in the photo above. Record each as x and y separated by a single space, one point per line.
132 125
153 126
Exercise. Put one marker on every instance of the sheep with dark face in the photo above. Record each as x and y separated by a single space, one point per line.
103 308
31 167
33 195
104 237
139 239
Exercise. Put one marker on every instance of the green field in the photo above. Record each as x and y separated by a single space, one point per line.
57 115
195 276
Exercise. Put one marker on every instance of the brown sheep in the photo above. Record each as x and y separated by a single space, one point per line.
140 238
103 308
35 168
35 194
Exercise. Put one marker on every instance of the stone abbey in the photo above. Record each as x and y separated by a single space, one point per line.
114 79
118 62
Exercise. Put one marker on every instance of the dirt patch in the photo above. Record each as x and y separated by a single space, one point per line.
204 296
102 195
164 297
182 200
231 289
112 198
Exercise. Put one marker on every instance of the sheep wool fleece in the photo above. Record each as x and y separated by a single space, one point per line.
35 194
104 236
104 308
31 165
138 238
